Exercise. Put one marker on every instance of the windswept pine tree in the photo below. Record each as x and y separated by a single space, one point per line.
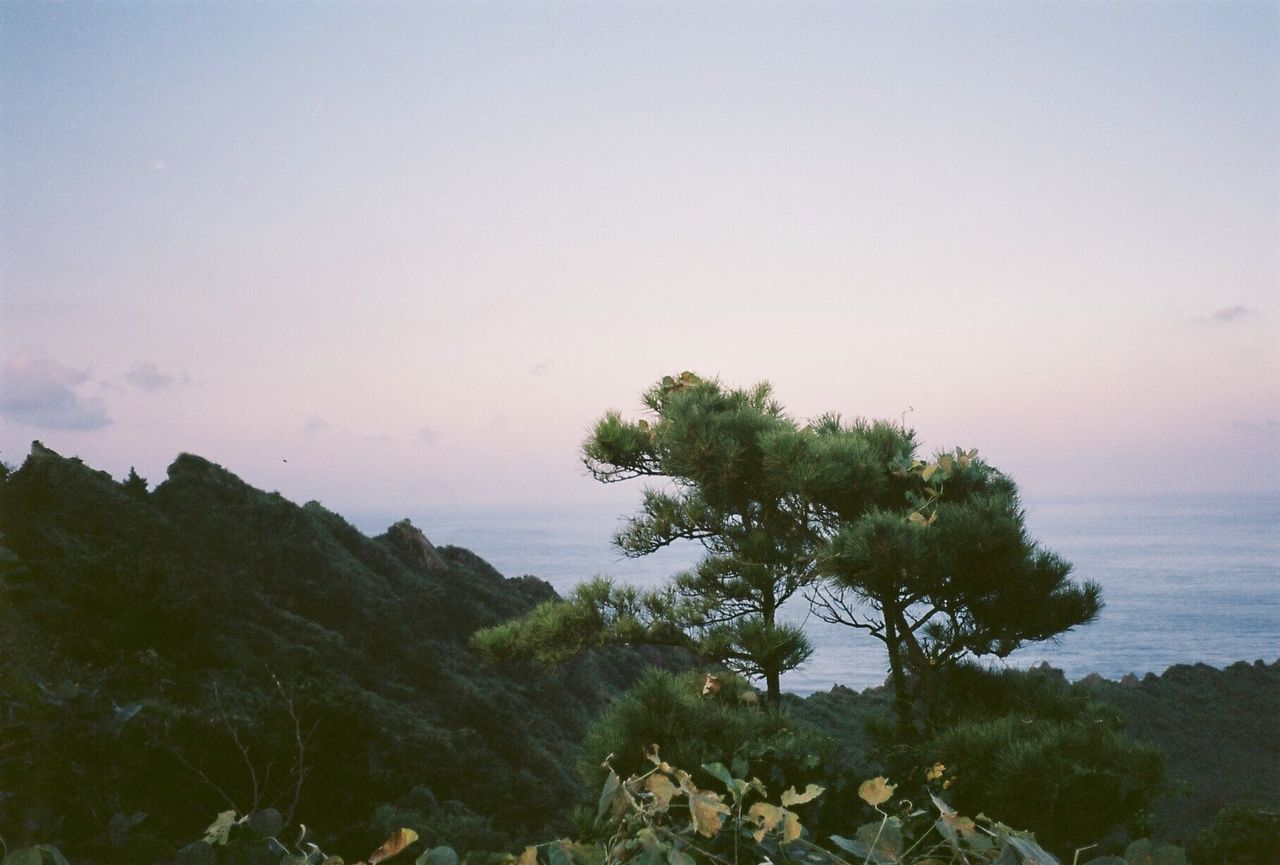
717 449
714 450
930 558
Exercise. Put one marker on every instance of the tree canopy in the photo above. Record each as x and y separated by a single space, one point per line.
931 558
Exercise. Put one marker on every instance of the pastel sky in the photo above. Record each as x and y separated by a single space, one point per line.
400 256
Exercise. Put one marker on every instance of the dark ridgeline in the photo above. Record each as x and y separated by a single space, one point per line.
164 653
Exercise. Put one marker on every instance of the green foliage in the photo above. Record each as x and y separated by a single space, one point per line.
971 692
932 559
1143 852
1028 746
1238 835
597 613
691 727
1071 780
134 485
646 819
696 721
721 454
207 646
600 613
1213 725
437 823
663 815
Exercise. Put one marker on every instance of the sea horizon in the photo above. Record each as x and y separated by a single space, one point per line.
1186 577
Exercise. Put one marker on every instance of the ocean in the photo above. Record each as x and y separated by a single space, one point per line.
1185 579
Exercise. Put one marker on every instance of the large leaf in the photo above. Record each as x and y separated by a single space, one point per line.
393 846
877 843
811 792
876 791
953 827
662 790
768 817
1023 851
267 822
608 795
721 774
708 812
1032 853
438 856
556 855
706 808
220 828
851 845
883 840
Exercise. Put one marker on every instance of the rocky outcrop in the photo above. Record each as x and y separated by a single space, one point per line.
413 548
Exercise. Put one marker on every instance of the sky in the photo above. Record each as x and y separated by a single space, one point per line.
398 257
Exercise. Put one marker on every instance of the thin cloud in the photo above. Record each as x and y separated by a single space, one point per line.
1228 314
147 376
315 424
39 391
1267 427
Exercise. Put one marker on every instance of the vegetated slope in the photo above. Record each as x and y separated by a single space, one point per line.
1217 729
164 653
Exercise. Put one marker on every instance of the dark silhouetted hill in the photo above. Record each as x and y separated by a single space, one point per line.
165 653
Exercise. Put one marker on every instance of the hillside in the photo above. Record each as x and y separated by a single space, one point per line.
168 654
1217 729
205 645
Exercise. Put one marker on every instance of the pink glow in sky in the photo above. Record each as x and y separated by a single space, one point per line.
416 250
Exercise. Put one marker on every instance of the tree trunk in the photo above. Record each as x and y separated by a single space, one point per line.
924 691
773 690
772 677
898 675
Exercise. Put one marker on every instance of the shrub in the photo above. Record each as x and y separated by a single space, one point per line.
1069 781
1238 835
728 727
971 692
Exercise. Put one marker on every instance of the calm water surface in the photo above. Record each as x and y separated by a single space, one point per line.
1184 579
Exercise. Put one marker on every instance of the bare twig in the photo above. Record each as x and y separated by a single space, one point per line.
196 770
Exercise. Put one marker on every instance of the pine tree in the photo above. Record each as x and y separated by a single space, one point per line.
719 452
135 485
931 558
